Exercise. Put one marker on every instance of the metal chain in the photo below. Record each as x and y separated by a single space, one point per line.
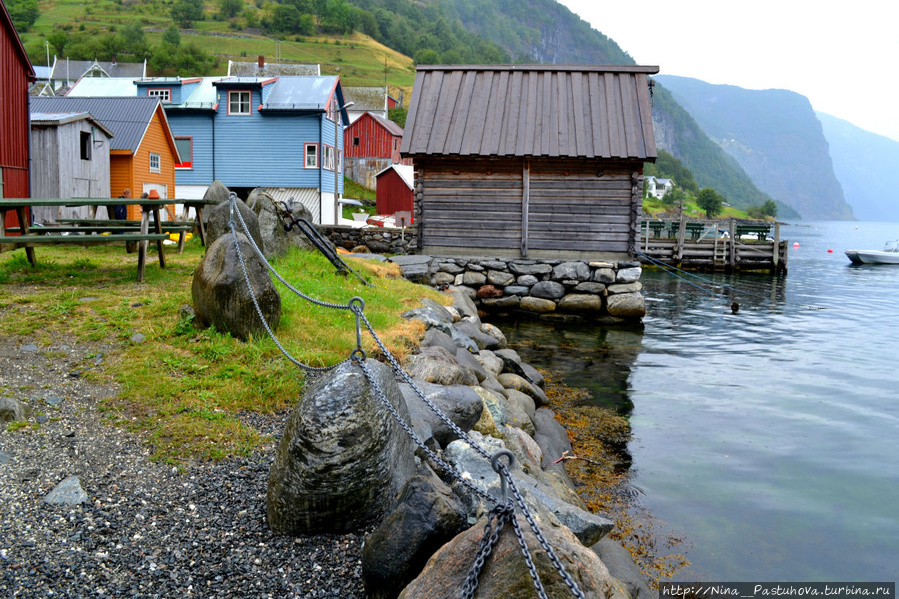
502 514
246 277
502 510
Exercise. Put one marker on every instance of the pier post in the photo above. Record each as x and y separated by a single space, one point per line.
681 233
733 244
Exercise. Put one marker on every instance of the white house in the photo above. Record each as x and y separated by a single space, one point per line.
657 187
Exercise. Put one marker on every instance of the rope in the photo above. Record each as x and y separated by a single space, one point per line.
503 510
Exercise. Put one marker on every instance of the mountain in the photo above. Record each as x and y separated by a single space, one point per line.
866 164
775 136
536 31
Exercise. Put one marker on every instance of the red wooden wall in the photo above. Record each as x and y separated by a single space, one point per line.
373 139
15 75
392 193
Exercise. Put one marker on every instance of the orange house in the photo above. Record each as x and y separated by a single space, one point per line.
142 152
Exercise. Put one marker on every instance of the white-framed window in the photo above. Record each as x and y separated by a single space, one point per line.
164 94
328 158
239 102
155 163
311 156
185 147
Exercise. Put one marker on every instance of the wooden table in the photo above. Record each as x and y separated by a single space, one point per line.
28 239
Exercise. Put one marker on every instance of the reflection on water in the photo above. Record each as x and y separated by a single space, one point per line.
766 437
591 357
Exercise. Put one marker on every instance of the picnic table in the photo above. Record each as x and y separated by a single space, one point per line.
26 236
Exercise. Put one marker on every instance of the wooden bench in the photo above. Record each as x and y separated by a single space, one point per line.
760 231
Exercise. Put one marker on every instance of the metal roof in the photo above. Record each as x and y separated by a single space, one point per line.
301 93
106 87
40 118
70 70
531 110
127 118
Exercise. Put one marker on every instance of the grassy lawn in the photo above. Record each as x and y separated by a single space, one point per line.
184 387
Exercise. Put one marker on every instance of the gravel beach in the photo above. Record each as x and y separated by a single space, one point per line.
147 529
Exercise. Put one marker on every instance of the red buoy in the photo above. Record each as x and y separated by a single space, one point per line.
796 244
829 251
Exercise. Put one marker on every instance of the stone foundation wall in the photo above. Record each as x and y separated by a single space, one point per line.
378 240
596 290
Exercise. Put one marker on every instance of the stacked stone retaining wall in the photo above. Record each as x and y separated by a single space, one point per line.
598 290
380 240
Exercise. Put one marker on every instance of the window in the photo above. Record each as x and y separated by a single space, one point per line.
340 160
311 151
85 144
239 102
164 95
155 163
328 158
185 147
356 141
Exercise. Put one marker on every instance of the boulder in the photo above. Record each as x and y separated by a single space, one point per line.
342 458
575 271
510 302
492 363
493 331
537 304
218 217
467 359
525 268
521 411
505 573
13 410
527 281
437 338
624 288
628 305
220 294
500 278
436 365
513 381
473 279
426 517
460 403
533 375
439 310
580 302
215 194
629 275
473 330
276 238
463 302
552 438
414 268
590 287
604 275
621 565
550 290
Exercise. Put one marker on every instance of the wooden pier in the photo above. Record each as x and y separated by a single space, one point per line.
728 246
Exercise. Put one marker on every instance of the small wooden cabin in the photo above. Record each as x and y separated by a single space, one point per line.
70 159
372 145
530 161
394 190
16 75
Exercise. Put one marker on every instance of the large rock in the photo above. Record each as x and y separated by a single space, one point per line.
67 492
342 458
580 302
215 194
436 365
513 381
219 216
460 403
621 565
505 573
426 517
550 290
473 330
13 410
220 293
537 304
275 237
575 271
627 305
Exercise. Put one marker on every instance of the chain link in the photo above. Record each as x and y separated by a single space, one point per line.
503 511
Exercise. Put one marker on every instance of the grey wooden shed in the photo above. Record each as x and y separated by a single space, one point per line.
69 159
540 161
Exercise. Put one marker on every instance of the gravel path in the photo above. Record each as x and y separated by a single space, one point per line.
148 530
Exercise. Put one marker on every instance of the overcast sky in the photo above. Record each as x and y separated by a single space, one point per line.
840 55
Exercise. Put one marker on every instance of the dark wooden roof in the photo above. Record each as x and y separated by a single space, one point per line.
531 110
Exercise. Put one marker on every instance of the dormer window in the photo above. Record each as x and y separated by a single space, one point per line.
164 94
239 102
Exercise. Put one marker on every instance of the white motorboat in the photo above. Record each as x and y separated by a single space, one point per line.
888 255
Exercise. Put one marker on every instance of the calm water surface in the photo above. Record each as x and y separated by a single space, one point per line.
769 438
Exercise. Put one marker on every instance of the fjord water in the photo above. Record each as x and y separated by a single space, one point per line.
769 438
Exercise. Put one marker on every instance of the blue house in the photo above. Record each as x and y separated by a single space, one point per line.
283 134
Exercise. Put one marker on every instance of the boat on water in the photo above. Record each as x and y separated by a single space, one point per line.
888 255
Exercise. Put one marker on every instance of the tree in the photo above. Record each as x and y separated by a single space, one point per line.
58 41
185 12
770 208
23 13
172 36
709 200
230 8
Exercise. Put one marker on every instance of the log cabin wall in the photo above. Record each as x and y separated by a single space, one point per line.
528 208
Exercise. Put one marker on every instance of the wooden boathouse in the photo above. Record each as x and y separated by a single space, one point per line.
530 161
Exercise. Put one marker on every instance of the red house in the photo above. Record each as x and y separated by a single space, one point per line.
372 144
394 191
16 75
